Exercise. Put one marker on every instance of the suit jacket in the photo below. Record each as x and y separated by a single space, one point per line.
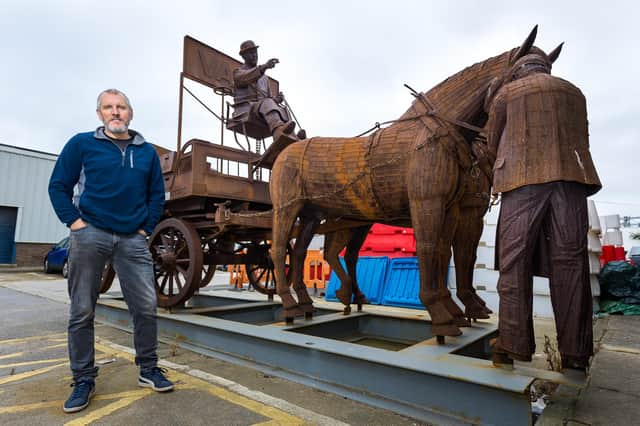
251 84
538 131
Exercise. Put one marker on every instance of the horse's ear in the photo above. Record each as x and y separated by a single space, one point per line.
553 55
524 49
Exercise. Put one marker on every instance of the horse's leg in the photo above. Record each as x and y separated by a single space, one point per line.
333 243
444 256
308 227
351 260
283 222
465 246
427 217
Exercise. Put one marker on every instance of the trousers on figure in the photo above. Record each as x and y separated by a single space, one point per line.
90 249
552 218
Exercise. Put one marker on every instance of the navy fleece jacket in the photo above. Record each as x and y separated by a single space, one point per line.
118 191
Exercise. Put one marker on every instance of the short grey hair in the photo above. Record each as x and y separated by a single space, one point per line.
113 92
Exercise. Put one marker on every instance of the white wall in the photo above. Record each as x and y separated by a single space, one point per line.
24 179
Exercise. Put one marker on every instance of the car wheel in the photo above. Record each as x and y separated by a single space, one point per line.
47 268
65 269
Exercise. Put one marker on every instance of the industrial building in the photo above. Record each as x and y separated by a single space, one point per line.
28 224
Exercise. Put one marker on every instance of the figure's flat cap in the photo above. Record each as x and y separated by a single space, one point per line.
247 45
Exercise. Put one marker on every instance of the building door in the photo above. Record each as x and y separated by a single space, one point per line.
8 217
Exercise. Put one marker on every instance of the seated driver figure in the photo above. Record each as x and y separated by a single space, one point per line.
253 94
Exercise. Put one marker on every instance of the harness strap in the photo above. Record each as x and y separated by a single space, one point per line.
373 141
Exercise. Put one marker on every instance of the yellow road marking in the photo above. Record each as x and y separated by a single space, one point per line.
29 339
17 354
136 394
273 413
27 374
277 423
61 345
276 415
104 411
40 361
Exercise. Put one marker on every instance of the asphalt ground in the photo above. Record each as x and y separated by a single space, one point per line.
35 376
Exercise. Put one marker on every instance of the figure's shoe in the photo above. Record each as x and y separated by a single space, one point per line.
302 134
575 363
155 379
502 357
79 399
282 138
284 130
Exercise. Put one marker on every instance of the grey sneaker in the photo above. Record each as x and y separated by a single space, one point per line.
79 399
154 378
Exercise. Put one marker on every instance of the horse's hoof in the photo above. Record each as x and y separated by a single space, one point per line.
291 313
288 320
344 296
445 330
440 340
359 307
476 314
360 297
307 308
482 303
461 322
308 315
347 310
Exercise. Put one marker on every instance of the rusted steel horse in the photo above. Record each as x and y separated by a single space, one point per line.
411 173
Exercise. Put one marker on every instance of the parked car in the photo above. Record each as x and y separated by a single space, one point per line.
634 255
56 259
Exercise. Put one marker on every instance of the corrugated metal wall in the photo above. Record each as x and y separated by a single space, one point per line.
24 177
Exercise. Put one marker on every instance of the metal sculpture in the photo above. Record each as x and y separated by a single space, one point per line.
409 173
538 129
254 101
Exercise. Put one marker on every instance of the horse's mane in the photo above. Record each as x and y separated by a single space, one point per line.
460 96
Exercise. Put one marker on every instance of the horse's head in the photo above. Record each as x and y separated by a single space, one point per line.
525 60
464 95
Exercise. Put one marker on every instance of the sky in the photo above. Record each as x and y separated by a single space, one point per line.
342 64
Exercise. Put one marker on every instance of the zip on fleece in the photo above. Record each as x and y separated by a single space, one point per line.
124 153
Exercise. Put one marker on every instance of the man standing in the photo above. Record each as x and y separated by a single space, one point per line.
253 94
538 129
119 201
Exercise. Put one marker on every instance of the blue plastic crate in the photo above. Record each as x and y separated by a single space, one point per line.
403 284
402 287
371 272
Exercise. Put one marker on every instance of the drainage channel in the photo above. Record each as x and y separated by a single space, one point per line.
386 360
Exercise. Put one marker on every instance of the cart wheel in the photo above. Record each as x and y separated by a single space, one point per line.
207 270
261 275
177 256
108 275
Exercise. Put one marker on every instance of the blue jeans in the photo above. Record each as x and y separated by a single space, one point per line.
90 248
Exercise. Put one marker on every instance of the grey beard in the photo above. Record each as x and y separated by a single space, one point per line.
118 130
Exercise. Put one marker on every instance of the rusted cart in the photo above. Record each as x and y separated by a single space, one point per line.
218 209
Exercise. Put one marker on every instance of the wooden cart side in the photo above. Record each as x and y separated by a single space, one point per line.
204 170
